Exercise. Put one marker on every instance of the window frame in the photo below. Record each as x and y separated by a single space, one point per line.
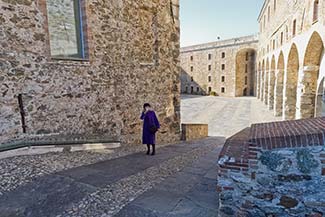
81 33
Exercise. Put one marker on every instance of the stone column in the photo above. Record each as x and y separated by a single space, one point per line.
278 93
262 86
306 92
266 86
271 89
258 74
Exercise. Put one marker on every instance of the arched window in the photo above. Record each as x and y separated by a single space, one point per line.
315 14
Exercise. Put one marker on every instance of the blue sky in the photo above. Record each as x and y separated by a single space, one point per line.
203 20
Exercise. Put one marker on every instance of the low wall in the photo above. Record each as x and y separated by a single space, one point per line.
194 131
274 169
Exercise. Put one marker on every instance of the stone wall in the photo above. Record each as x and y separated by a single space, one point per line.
291 58
204 60
133 58
194 131
274 169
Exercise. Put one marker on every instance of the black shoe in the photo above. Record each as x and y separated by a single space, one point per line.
153 153
148 152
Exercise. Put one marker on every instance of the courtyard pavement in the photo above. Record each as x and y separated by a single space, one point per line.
225 116
179 180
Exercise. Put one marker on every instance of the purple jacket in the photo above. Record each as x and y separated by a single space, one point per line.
149 119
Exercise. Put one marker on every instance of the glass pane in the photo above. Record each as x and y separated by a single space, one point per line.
63 25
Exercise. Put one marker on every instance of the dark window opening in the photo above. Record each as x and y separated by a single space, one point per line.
209 67
281 38
197 89
191 68
209 78
247 56
246 68
191 58
223 55
223 90
209 56
192 89
210 89
192 79
246 80
222 78
223 66
294 29
316 9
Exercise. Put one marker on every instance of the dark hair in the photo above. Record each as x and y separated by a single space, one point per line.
146 105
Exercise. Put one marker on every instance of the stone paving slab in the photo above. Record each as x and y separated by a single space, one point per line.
190 193
51 194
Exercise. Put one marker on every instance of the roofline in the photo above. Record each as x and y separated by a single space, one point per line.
254 38
262 9
220 46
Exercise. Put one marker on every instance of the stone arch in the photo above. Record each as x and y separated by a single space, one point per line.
245 67
291 82
320 99
266 81
278 98
271 83
308 86
262 80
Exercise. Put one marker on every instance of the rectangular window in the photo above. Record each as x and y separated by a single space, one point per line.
246 80
191 68
223 55
294 28
66 29
246 68
192 79
223 67
209 56
209 67
192 89
209 78
247 56
223 90
281 38
273 44
191 58
316 6
210 89
222 78
197 89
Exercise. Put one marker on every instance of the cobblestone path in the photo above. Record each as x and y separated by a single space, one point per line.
179 181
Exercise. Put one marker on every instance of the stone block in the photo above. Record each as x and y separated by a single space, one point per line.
194 131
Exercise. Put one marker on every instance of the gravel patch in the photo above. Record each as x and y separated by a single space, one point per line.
110 200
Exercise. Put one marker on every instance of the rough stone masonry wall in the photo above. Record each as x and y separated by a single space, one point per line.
133 58
288 182
274 169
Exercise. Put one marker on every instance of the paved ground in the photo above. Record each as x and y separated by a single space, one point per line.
181 177
191 192
225 116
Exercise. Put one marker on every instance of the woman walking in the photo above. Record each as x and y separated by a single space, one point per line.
150 127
